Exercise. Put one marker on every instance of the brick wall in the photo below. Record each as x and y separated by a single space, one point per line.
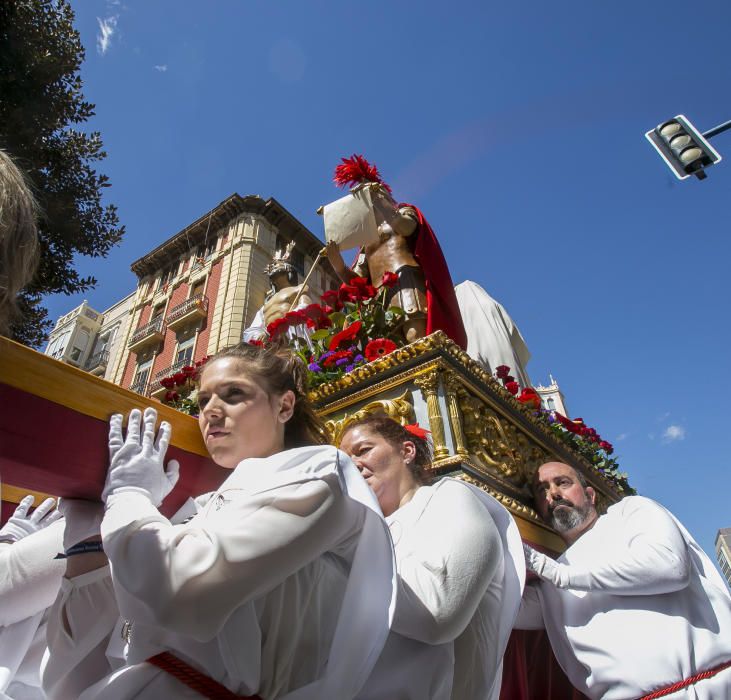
211 291
167 352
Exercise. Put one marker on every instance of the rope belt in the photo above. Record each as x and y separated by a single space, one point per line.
675 687
186 674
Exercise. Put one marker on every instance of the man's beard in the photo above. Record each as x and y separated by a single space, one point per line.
570 517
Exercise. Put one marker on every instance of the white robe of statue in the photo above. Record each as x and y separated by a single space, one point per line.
493 339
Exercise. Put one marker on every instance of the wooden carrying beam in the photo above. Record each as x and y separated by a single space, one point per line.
54 429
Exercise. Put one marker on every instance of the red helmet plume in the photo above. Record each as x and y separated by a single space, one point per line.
356 170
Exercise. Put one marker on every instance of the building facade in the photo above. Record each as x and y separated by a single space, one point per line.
723 553
552 398
196 293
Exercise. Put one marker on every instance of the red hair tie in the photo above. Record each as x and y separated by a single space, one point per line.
417 431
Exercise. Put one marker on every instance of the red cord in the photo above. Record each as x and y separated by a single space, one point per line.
186 674
688 681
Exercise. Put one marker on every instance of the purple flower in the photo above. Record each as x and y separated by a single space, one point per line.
349 369
327 354
342 361
314 367
353 348
358 359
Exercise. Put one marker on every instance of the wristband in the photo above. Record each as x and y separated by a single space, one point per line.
81 548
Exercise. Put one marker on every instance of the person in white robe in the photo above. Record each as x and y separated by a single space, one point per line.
281 586
493 339
633 606
30 577
460 570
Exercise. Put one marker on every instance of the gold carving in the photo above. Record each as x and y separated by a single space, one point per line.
452 385
400 409
429 385
498 445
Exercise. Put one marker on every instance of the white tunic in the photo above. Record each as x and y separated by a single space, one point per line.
29 581
250 590
461 568
645 608
493 339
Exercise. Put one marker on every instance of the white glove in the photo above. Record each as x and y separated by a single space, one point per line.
137 462
20 524
546 568
83 520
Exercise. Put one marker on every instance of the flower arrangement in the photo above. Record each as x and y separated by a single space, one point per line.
182 388
350 327
574 432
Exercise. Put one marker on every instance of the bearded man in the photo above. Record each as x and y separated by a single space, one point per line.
633 608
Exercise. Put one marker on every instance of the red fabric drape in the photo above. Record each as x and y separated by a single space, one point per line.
443 311
531 672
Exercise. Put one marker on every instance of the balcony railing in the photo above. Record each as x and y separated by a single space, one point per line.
97 361
138 385
155 385
152 332
190 310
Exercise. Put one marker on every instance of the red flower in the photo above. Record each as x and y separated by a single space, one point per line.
343 354
313 311
513 387
606 446
348 292
167 382
379 347
345 335
171 396
190 371
389 279
180 378
277 328
502 371
296 318
331 298
573 426
324 322
258 343
530 397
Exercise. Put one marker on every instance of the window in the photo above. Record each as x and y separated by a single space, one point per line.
167 276
198 288
141 374
184 354
551 405
80 343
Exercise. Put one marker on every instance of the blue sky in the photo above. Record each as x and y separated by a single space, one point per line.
518 128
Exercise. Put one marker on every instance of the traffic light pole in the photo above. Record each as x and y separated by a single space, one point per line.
717 129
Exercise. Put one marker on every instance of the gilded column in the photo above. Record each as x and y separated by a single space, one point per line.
451 385
429 385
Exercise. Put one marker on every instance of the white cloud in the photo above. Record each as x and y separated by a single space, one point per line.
673 433
621 436
107 28
162 68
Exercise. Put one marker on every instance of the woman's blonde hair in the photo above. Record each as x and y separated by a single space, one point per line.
19 248
277 370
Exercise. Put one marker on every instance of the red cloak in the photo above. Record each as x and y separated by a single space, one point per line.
442 309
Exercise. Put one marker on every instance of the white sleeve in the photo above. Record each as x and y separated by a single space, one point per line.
443 581
189 578
653 558
530 615
29 574
80 624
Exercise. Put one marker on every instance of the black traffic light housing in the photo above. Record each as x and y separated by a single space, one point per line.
683 147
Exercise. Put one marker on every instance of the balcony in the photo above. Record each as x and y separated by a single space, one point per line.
149 334
189 311
138 385
156 390
97 363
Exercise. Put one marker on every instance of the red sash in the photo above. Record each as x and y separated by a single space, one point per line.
675 687
206 686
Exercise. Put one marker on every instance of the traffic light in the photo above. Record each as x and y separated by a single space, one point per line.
683 148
